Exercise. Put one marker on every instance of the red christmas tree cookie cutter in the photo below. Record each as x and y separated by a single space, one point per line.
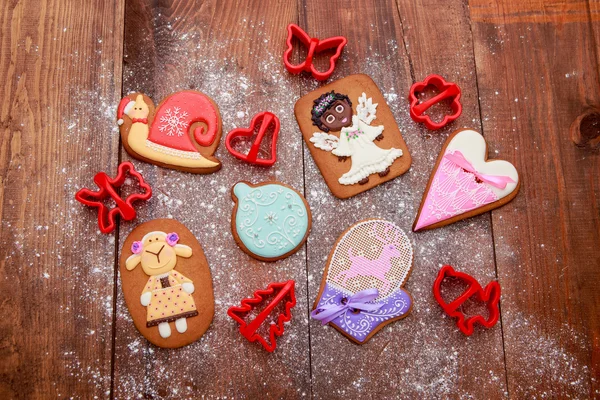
249 329
490 295
108 186
447 90
314 46
266 120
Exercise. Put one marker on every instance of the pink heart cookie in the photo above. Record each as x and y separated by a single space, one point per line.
464 184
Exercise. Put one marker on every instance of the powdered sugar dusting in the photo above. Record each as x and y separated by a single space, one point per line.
422 356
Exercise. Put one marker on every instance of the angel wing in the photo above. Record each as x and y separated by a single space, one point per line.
324 141
366 110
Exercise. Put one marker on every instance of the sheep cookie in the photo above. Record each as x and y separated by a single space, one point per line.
182 132
361 290
166 283
352 135
270 220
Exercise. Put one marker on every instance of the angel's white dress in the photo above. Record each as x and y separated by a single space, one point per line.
356 141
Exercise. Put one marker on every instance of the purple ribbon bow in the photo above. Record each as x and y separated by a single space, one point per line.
358 301
498 181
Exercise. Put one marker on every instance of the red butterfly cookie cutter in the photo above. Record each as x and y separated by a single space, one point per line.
248 329
266 120
106 217
490 295
315 46
448 90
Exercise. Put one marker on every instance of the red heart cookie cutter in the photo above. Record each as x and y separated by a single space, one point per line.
314 46
276 328
490 295
108 186
266 120
447 90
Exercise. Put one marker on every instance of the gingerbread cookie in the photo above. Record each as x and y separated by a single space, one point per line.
182 133
361 290
355 150
464 184
170 296
270 220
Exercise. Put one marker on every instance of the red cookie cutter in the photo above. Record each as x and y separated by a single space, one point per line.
447 90
266 120
490 295
315 46
248 329
106 217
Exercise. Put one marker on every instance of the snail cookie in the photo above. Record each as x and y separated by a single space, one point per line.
352 135
270 220
166 283
182 133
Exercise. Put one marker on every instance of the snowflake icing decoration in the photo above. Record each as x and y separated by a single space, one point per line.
173 122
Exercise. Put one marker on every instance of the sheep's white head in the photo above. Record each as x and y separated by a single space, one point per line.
157 252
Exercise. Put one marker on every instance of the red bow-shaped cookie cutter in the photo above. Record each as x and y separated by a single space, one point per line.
266 120
447 90
314 46
490 295
248 329
106 217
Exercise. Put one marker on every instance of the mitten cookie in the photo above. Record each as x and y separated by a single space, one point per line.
182 133
352 135
464 184
361 290
166 283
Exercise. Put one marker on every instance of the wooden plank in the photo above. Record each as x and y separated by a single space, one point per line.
232 52
594 15
537 71
441 42
423 355
60 64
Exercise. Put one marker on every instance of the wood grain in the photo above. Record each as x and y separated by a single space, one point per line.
233 54
60 64
526 70
535 77
440 42
430 358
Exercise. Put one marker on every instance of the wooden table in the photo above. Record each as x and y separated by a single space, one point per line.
527 69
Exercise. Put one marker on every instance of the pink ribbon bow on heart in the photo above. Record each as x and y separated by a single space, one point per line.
498 181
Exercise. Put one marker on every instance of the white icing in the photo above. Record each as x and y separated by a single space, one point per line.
324 141
129 107
472 145
367 157
164 329
366 110
145 298
181 325
188 287
173 152
356 141
173 122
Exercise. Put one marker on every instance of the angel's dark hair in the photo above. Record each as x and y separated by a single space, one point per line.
324 103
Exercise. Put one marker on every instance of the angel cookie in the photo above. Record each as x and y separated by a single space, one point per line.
353 152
